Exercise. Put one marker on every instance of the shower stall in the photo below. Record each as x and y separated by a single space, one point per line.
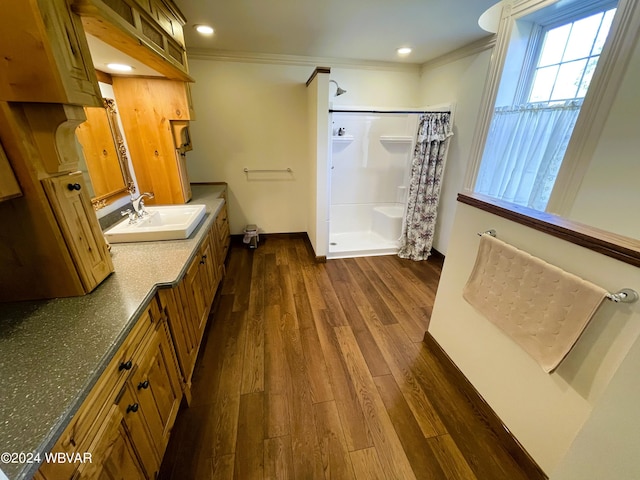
370 163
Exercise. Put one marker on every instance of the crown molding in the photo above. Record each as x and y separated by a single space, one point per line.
473 48
279 59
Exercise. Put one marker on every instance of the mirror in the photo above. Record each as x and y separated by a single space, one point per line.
105 155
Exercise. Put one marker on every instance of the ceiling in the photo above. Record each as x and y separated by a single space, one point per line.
369 30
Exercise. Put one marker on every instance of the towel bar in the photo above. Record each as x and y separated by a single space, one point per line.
626 295
247 170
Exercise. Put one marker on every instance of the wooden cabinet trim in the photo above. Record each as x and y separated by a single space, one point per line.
9 187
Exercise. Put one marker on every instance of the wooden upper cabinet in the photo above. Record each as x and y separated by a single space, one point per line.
45 56
9 187
72 208
148 30
55 247
148 107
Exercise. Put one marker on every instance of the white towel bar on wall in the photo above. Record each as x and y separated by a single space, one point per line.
626 295
251 170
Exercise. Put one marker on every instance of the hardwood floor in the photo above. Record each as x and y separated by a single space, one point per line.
318 371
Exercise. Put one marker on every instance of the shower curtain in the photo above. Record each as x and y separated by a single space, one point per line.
432 143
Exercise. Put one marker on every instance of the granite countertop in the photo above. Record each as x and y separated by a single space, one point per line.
53 351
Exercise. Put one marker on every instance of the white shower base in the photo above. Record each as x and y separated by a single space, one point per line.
360 244
377 231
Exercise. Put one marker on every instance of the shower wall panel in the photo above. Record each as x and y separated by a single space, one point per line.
366 169
370 166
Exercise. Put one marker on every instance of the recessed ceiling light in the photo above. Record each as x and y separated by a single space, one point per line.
204 29
119 67
404 51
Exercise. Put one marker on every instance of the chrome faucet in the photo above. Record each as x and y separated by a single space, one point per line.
138 204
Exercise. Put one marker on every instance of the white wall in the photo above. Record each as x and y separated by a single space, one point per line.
579 401
609 196
545 412
253 115
318 192
461 83
369 87
607 446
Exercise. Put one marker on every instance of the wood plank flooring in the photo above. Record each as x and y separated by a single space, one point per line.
318 371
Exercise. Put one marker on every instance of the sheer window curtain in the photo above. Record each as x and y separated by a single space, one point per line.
524 150
427 168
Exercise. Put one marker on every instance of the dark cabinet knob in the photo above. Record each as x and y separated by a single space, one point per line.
125 365
143 385
74 186
133 408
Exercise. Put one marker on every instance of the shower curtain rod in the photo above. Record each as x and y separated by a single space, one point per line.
336 110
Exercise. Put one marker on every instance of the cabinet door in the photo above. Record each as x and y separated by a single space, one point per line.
158 388
46 57
112 454
79 227
193 285
208 274
70 48
147 107
222 239
181 328
137 429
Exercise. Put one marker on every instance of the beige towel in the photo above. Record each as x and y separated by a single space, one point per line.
540 306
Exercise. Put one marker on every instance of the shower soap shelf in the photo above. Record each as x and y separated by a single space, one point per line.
395 139
342 138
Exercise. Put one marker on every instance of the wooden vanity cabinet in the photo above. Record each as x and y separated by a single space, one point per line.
126 420
188 304
55 247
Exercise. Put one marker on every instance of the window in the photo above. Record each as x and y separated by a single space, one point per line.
539 101
568 58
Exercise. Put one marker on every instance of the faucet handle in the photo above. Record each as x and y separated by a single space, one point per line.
130 214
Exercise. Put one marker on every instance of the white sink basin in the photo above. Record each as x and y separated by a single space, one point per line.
168 222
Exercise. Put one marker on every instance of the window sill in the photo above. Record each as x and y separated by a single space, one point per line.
610 244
